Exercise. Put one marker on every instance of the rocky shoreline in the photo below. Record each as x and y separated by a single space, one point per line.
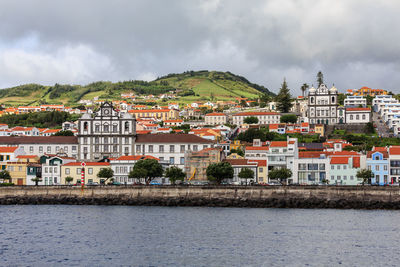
306 203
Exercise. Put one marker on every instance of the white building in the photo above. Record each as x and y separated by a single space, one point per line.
263 117
354 101
51 169
40 145
215 118
381 100
170 147
322 105
106 134
358 115
282 154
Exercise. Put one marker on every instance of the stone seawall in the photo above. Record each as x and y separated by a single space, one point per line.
342 197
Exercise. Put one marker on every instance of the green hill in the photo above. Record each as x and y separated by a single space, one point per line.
190 86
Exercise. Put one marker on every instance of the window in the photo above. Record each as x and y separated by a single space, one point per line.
115 128
338 167
138 148
97 128
78 170
332 177
344 177
351 177
357 117
96 148
40 149
106 128
332 167
302 166
20 168
85 126
73 148
65 149
338 177
46 170
195 148
172 161
126 126
261 170
105 140
182 161
161 148
172 149
363 116
90 170
31 149
151 148
127 150
96 140
322 166
377 167
55 170
85 150
115 140
182 148
66 170
105 148
351 117
57 149
161 158
344 167
385 167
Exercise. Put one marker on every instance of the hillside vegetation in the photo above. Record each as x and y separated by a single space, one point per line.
190 85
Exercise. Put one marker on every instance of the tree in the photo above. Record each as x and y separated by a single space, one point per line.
146 169
64 133
280 174
175 174
320 78
217 172
69 179
251 134
284 99
106 173
304 88
289 118
237 151
243 103
36 180
251 120
366 175
369 128
246 173
341 98
5 175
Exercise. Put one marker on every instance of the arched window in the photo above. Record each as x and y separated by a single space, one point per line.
312 100
97 128
106 128
126 126
85 126
333 99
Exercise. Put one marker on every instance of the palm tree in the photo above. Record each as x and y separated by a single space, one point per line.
304 88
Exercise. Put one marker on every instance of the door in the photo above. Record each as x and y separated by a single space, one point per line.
20 181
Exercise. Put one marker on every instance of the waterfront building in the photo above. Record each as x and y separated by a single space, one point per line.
73 169
19 169
107 134
215 118
378 163
124 164
311 167
282 154
264 118
394 164
9 154
40 145
344 169
322 105
170 147
51 168
238 165
196 162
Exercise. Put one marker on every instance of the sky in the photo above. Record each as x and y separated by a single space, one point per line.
354 43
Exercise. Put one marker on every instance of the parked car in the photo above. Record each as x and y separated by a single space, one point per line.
155 183
273 183
92 184
114 183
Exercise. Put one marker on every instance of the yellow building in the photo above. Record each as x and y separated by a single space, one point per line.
73 169
19 169
161 114
364 91
236 145
319 129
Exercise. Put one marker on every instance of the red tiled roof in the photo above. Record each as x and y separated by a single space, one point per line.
87 164
358 109
356 162
171 138
255 113
345 153
215 114
136 157
261 162
257 148
8 149
340 160
278 144
394 150
312 154
14 140
27 156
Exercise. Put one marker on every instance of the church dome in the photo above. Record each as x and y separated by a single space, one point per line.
333 90
312 90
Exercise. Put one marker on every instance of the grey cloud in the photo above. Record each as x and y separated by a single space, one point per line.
353 42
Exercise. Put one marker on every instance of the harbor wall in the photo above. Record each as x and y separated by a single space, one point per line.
343 197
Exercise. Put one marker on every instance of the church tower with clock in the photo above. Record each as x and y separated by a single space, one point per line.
106 134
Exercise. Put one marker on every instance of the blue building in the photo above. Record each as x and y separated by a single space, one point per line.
378 163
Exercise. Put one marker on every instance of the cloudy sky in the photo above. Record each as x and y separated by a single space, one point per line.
353 42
